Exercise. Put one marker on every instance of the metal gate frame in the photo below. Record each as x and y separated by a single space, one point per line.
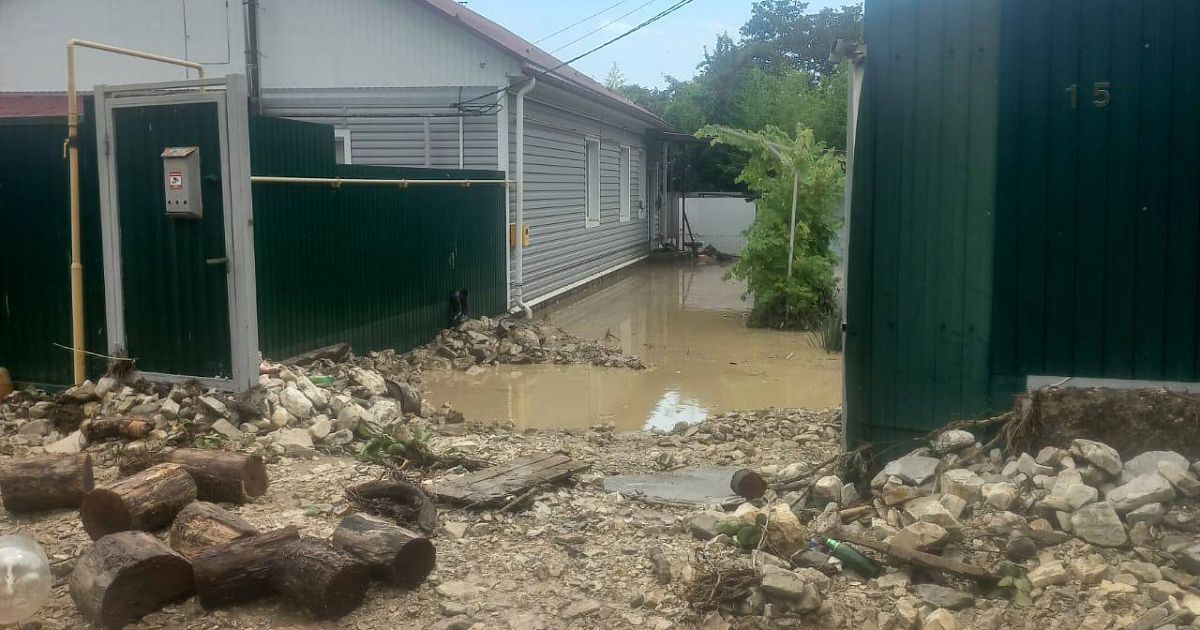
230 95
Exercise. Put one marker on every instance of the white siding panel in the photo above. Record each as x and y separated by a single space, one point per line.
385 126
34 34
372 43
562 250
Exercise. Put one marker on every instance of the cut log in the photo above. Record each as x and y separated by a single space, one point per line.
146 501
327 582
223 476
129 428
397 500
220 476
394 554
748 484
46 482
127 575
201 525
239 571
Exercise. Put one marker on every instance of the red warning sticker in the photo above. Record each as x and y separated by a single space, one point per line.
175 180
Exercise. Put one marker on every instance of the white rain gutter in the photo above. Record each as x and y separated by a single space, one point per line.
519 280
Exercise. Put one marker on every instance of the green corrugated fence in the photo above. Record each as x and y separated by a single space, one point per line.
372 265
1025 203
35 249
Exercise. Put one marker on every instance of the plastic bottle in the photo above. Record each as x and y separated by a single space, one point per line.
852 558
24 578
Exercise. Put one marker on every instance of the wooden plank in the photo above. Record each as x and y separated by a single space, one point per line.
496 484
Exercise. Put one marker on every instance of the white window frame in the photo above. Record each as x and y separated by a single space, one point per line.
591 181
641 171
342 135
626 179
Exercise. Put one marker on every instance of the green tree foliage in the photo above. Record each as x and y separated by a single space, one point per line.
778 74
781 34
775 159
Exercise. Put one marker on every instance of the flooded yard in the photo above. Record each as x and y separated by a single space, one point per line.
684 319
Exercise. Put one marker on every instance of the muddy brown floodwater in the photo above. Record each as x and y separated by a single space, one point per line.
685 319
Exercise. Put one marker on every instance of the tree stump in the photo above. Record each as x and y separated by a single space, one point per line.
328 582
127 575
146 501
46 482
394 554
220 476
239 571
398 500
130 428
201 525
748 484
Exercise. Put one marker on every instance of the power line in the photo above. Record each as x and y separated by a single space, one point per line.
605 25
574 24
660 15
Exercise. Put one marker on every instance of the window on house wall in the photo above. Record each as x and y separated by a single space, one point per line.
593 182
341 146
640 169
626 187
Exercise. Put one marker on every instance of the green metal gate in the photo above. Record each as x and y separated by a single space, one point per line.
1026 202
179 290
176 302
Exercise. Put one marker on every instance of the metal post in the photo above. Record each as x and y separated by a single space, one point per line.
77 324
792 232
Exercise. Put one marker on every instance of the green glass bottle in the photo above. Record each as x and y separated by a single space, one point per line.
852 558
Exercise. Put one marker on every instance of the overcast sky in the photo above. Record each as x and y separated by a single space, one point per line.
672 46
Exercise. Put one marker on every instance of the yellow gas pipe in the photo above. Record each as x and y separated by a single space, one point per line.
77 329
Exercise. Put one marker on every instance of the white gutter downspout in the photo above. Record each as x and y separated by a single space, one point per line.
519 281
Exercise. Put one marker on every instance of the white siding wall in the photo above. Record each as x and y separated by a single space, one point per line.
383 130
34 34
371 43
562 251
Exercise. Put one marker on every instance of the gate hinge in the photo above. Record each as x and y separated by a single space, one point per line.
106 144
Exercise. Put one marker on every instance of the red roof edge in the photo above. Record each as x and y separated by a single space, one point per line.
35 104
514 44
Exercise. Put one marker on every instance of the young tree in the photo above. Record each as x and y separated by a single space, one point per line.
795 291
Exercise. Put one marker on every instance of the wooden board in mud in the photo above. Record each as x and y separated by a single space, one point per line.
498 484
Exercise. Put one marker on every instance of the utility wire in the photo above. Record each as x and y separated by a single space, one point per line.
604 26
660 15
574 24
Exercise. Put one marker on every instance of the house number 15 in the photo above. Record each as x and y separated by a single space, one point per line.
1100 94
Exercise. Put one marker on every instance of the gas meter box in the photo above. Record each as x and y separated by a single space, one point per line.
181 181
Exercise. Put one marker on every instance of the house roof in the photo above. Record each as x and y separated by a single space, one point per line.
34 104
533 56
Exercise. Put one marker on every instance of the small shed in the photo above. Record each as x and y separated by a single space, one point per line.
1025 208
